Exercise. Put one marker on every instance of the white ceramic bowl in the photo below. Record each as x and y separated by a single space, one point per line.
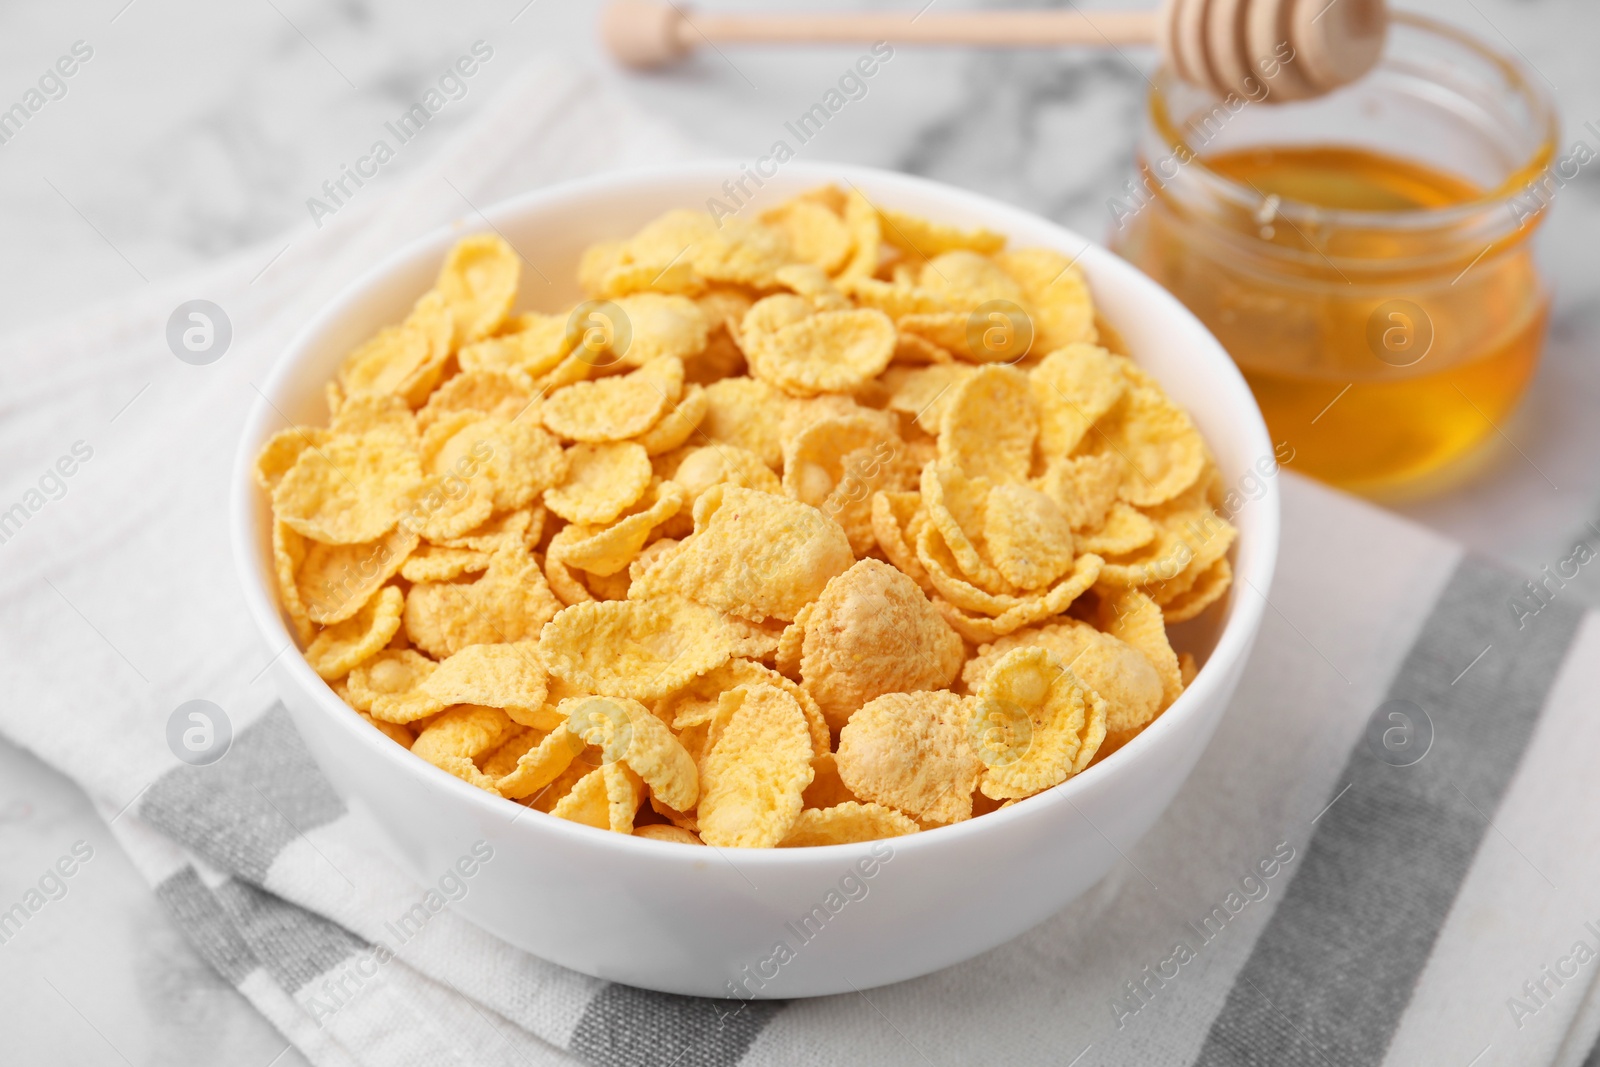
710 921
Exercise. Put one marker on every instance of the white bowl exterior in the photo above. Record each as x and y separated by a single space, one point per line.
699 920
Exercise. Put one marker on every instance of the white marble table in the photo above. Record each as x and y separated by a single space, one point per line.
196 130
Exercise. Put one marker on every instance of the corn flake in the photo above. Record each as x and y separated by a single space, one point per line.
478 282
643 649
988 427
846 824
345 644
615 409
1065 724
602 481
347 490
510 602
753 554
911 752
873 632
1073 388
754 776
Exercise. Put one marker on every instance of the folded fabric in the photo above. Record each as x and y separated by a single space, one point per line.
1381 858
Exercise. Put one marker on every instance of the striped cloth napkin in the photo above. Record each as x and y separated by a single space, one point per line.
1383 857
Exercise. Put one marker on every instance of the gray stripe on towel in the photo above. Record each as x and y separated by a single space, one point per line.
295 945
627 1027
198 914
1332 973
240 811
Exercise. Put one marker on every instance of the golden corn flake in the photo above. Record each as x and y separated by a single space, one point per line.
1162 450
487 392
1117 671
1125 529
281 452
892 516
964 279
1187 541
347 490
626 730
728 250
755 774
288 555
988 427
1083 487
846 824
615 409
1057 295
523 462
610 549
641 649
748 413
504 757
478 281
510 602
956 505
898 300
535 349
507 676
873 632
333 582
829 351
343 645
924 392
1135 619
950 582
827 789
816 235
540 765
979 626
1065 724
753 554
814 284
667 832
928 239
406 361
678 425
400 735
375 414
389 686
866 237
1072 388
1210 587
606 798
660 326
836 464
602 481
1026 535
914 350
519 528
911 752
724 464
442 507
456 737
1188 668
696 702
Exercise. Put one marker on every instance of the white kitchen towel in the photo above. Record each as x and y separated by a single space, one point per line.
1386 855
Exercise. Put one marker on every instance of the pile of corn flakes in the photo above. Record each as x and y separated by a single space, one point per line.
837 525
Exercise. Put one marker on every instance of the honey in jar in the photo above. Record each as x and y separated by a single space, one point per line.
1364 257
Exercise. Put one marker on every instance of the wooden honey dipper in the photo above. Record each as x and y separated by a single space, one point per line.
1310 47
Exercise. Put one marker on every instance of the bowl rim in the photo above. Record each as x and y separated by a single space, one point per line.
259 584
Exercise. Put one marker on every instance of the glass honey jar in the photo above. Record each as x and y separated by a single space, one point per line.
1364 256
